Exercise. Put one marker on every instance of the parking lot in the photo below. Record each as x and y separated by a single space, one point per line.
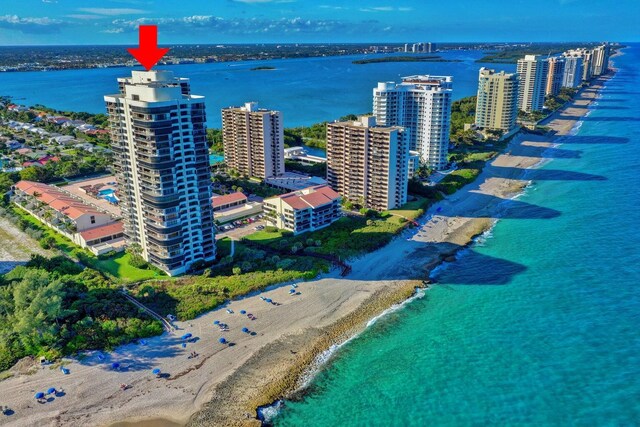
239 230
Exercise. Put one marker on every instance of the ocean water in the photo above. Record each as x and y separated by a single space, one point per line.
537 324
307 91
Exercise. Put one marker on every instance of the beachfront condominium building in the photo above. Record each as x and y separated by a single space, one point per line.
368 164
253 140
422 105
572 76
309 209
600 60
555 75
497 101
162 167
587 58
533 72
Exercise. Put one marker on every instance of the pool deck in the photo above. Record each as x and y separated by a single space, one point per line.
74 188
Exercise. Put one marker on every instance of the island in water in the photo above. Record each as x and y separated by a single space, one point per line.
428 58
263 68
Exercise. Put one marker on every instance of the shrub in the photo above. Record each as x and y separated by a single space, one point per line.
236 270
47 242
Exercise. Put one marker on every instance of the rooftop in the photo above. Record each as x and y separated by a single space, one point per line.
310 197
227 199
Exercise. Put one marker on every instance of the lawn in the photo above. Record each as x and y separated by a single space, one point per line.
118 266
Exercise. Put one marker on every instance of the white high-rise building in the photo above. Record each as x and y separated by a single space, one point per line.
533 80
162 167
572 76
421 104
253 140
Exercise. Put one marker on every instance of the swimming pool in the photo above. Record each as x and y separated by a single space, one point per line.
111 199
214 159
106 192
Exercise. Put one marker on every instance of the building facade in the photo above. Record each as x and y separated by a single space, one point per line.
253 140
572 76
555 75
368 164
497 101
304 210
600 60
533 73
422 105
162 167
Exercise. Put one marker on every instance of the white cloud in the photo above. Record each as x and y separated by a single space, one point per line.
29 24
111 11
386 9
241 26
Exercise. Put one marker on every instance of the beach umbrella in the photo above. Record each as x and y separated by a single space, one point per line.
64 371
268 300
155 371
51 390
243 312
184 345
292 291
245 330
439 210
216 322
222 341
115 365
39 395
187 336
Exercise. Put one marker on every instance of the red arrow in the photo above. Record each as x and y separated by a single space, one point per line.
148 54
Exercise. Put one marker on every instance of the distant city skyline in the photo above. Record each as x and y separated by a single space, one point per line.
50 22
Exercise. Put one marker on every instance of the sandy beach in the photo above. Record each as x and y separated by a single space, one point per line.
225 383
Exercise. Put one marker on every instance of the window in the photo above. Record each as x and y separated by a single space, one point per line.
93 219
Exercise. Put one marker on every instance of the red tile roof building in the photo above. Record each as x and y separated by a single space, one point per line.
84 224
305 210
228 201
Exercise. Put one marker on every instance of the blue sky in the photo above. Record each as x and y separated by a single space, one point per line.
256 21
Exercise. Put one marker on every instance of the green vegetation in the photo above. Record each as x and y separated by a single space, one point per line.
117 266
263 68
511 54
349 237
316 169
555 102
250 270
423 58
244 185
121 268
460 177
214 138
463 111
52 307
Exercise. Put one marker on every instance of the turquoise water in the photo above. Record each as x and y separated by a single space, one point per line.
214 159
537 325
307 91
107 192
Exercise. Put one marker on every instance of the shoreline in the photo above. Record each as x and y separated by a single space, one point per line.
559 129
226 384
